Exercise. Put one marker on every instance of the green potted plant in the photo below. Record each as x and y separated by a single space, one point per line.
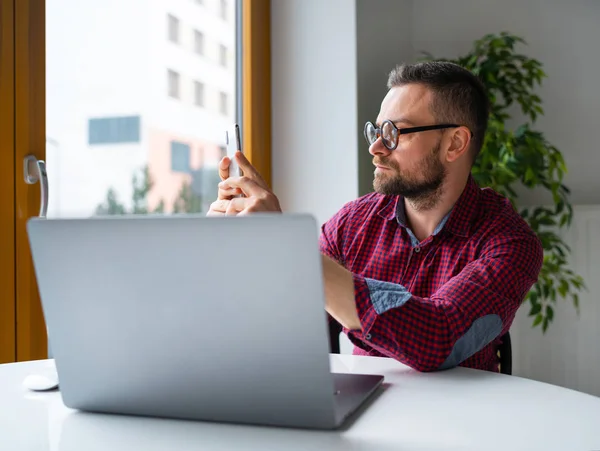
525 156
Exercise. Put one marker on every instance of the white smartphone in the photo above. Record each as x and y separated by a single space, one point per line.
233 141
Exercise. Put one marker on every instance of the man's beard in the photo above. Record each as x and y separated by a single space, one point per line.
423 189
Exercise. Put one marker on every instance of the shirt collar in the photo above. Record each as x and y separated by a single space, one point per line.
457 221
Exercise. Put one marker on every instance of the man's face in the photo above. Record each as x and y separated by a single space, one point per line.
415 169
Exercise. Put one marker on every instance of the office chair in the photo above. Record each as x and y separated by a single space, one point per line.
504 348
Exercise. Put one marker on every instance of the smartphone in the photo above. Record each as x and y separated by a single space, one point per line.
233 141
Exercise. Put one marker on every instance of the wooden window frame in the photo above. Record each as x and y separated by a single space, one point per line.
7 184
256 91
22 327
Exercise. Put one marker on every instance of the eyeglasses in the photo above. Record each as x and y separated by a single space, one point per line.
389 132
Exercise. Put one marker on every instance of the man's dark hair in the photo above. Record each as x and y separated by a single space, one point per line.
459 97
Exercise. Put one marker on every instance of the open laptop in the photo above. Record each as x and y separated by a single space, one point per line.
206 318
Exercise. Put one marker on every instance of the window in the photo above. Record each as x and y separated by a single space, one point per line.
173 84
61 112
223 103
198 42
222 55
198 93
173 28
180 157
223 9
114 130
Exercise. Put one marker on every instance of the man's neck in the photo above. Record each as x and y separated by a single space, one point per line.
423 216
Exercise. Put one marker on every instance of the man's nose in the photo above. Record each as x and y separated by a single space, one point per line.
378 149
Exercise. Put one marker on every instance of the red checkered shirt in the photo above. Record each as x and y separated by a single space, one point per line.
444 301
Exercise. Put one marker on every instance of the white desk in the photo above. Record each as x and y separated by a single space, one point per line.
459 409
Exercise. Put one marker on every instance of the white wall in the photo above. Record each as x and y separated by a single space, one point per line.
568 354
377 53
314 104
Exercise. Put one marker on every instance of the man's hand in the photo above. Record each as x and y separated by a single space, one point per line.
257 195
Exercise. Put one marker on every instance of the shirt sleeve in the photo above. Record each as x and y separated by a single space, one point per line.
331 239
460 318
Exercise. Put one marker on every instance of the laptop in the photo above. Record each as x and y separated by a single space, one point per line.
203 318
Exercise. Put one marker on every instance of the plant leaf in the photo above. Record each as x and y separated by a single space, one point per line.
535 309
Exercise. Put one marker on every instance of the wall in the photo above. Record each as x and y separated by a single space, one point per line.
568 354
314 104
329 74
377 53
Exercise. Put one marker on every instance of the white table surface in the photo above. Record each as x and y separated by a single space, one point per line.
459 409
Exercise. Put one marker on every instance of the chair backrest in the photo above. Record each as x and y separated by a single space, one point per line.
334 336
504 349
505 354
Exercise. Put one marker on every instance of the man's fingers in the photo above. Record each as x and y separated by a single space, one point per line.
218 207
228 207
228 193
236 205
248 186
224 168
248 169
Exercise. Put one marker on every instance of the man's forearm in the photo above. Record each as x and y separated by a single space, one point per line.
339 294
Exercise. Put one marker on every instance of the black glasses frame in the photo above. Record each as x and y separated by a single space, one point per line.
401 131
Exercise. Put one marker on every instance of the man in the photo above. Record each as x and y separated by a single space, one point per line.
429 269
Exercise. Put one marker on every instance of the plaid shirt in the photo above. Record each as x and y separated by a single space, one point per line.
444 301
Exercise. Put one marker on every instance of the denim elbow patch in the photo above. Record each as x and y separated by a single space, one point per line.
386 295
480 334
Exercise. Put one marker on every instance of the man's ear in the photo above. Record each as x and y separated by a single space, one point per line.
459 144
